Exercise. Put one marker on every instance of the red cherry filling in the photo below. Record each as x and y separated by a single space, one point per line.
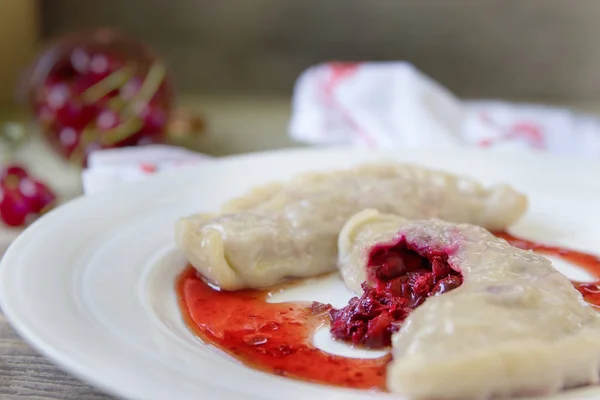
402 278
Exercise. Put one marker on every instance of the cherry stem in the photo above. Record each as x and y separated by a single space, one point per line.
121 131
133 123
150 86
127 111
106 85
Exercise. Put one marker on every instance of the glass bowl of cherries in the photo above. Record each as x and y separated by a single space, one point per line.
95 90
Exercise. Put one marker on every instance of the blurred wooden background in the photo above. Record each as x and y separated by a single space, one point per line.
478 48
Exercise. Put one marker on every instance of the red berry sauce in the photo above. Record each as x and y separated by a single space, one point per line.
273 337
276 337
400 278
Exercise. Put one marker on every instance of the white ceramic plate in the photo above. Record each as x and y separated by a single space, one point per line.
90 285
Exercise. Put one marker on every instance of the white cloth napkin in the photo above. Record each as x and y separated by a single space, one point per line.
394 105
379 105
107 168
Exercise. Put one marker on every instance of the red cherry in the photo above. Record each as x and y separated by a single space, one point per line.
102 64
107 119
39 195
62 71
68 137
76 115
131 88
16 171
60 103
80 60
56 95
22 198
154 118
81 83
14 208
63 138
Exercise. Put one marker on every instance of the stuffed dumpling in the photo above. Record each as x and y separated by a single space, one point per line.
290 229
482 319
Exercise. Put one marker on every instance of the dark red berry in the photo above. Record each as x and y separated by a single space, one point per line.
38 194
12 172
22 198
14 209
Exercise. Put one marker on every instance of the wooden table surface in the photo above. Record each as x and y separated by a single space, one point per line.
237 125
24 374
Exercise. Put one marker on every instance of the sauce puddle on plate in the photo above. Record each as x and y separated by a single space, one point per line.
276 337
273 337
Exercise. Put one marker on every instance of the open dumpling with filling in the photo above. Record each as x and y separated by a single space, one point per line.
481 318
290 229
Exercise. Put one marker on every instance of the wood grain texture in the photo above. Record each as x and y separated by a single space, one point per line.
478 48
24 374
